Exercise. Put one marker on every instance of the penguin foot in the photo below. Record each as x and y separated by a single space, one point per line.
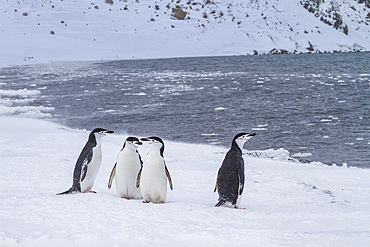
146 201
236 207
90 191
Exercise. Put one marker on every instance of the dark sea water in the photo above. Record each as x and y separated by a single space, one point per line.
316 106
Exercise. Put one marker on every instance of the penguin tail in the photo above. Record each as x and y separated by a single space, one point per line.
220 202
71 190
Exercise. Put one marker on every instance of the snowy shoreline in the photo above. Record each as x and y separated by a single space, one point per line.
35 62
287 203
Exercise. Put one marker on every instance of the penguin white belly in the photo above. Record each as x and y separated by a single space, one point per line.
92 169
153 181
127 169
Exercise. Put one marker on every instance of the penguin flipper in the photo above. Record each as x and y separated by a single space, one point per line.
241 177
169 177
85 164
138 177
84 170
215 188
112 174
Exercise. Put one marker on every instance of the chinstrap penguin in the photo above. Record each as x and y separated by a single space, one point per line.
152 177
230 177
126 169
88 163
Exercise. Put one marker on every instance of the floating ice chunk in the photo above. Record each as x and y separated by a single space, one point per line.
140 94
301 155
220 109
259 128
210 134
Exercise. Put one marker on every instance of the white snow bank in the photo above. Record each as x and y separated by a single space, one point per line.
287 203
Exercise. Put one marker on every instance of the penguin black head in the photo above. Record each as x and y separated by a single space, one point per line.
134 141
101 131
155 140
242 138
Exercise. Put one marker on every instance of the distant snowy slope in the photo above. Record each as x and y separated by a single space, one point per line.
40 31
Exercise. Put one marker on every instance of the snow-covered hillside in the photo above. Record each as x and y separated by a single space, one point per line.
33 31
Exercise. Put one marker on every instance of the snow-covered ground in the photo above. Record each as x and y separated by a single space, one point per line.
287 203
38 31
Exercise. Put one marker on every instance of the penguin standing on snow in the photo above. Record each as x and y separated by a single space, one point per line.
230 177
152 177
88 163
126 170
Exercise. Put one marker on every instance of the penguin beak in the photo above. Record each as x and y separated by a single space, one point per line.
253 134
138 143
104 132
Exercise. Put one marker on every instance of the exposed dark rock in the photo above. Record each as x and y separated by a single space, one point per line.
178 13
329 16
366 2
278 51
310 48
